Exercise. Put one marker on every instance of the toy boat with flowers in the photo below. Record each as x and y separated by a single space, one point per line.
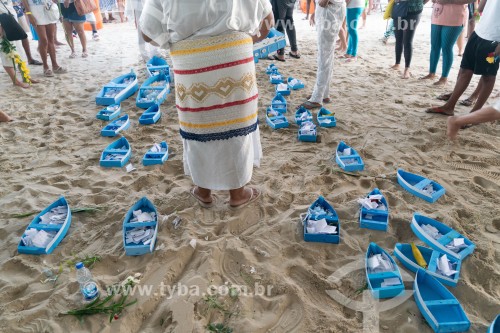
274 41
109 112
279 103
153 91
112 129
275 119
307 132
382 273
118 89
348 158
374 212
420 186
326 118
116 155
151 115
283 89
276 78
140 228
157 65
47 229
321 223
295 84
158 154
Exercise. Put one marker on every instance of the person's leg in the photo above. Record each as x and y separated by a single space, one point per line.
398 33
83 39
448 38
43 45
279 12
56 42
463 80
353 30
12 74
435 50
363 17
460 41
242 195
4 117
342 40
488 83
408 43
352 34
473 96
308 9
482 116
203 194
291 31
51 31
68 28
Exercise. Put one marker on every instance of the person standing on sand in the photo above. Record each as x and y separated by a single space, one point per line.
448 20
404 30
328 18
481 57
283 15
216 88
308 9
354 10
491 113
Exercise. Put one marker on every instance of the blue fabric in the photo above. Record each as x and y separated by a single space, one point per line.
219 136
353 15
443 38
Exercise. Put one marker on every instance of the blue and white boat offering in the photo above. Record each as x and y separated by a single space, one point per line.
276 78
382 273
151 115
374 212
279 103
157 65
283 89
272 68
110 112
302 115
112 129
348 158
321 223
47 229
326 118
307 132
437 304
118 89
441 237
275 119
274 41
116 155
153 91
420 186
295 84
495 326
140 228
158 154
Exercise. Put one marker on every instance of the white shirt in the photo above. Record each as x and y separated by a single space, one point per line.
170 21
489 25
356 4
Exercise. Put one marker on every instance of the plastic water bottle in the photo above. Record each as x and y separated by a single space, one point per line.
88 287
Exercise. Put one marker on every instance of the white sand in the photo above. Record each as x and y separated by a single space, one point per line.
53 149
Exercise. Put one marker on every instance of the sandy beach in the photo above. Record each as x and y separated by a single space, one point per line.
54 145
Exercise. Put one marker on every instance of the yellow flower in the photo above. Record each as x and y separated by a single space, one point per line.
490 60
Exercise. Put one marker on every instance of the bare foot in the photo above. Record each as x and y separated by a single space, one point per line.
429 76
441 82
34 81
4 117
21 84
406 74
352 59
452 128
395 67
243 196
203 195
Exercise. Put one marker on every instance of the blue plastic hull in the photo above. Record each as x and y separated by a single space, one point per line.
415 184
151 115
440 308
299 112
107 115
331 220
60 229
358 165
157 65
114 149
160 98
279 103
153 158
275 40
495 325
271 121
440 244
375 279
297 86
112 130
139 249
326 120
379 218
126 90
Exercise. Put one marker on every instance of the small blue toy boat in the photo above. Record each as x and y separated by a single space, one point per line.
437 304
495 326
420 186
302 114
110 112
113 128
272 68
317 230
382 273
274 41
440 237
151 115
157 65
326 118
275 119
348 159
279 103
276 78
116 155
283 89
153 91
118 89
295 84
47 229
307 132
158 154
405 255
140 228
377 216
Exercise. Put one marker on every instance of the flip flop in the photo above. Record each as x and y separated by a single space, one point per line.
438 110
253 198
35 62
60 70
48 73
310 105
325 100
201 202
444 97
296 56
467 102
275 57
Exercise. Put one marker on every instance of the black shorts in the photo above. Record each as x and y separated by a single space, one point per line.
475 54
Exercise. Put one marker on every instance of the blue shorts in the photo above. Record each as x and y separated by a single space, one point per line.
71 15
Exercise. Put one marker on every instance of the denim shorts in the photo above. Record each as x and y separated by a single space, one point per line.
71 15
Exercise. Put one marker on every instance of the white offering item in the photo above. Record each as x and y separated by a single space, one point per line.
346 152
431 231
294 82
391 282
444 266
192 242
282 86
129 167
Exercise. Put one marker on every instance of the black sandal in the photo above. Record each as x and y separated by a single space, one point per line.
296 56
275 57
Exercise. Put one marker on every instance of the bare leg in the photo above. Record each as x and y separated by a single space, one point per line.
464 77
27 50
68 28
479 87
363 16
4 117
461 43
203 194
43 44
56 42
482 116
485 92
51 30
241 195
15 81
81 35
